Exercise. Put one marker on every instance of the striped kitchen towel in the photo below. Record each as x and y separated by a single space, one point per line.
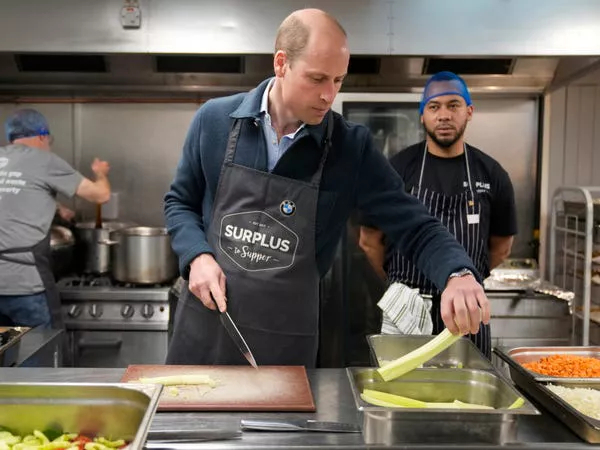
405 311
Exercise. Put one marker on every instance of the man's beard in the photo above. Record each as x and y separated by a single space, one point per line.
446 142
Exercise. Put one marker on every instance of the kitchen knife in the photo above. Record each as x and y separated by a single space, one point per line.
237 337
192 435
184 440
299 425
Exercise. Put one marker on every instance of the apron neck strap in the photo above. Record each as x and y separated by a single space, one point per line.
233 140
316 178
327 144
466 164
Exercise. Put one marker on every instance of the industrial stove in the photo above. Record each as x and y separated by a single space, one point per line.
110 324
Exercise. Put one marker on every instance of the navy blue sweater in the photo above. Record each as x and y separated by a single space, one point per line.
356 176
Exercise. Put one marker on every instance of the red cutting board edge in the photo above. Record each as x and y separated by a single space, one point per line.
241 388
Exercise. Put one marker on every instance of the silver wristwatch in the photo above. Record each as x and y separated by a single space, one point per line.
460 273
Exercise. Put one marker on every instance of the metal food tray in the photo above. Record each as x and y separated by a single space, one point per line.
522 355
388 347
414 425
534 385
9 350
114 411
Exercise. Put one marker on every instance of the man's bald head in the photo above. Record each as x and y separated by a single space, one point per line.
296 30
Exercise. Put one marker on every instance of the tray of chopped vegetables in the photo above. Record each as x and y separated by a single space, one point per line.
565 380
55 416
556 362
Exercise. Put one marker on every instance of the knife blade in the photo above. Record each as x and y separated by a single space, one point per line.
237 337
299 425
202 434
187 440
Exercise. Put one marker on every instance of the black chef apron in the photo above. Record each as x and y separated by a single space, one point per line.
462 215
41 256
263 236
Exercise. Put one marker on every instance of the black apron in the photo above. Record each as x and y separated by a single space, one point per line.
42 256
263 236
461 215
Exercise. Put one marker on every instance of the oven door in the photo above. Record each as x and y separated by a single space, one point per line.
116 348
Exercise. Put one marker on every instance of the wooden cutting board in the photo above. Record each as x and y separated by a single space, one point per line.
239 388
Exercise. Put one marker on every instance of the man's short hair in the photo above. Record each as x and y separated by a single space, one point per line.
293 34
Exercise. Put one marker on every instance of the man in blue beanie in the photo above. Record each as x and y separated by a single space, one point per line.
30 177
466 189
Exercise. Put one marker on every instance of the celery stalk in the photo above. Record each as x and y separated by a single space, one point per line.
174 380
417 357
396 400
376 402
517 403
388 400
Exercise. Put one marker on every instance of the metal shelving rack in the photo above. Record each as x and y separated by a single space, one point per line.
574 233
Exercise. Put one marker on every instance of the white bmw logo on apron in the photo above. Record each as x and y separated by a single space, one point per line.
287 207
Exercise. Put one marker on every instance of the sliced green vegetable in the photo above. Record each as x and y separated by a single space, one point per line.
8 438
393 399
388 400
52 433
417 357
112 444
172 380
39 441
378 402
517 403
41 437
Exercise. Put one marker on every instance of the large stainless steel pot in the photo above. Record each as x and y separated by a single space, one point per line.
142 255
92 249
62 244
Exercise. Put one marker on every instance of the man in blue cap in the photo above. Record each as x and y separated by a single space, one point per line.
30 177
467 190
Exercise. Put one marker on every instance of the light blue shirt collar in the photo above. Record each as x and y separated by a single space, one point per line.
275 150
264 108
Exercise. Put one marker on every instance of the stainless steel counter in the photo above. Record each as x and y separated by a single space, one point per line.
334 402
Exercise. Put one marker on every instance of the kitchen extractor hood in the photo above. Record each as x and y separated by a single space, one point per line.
75 74
201 48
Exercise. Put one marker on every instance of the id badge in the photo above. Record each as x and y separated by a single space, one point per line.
472 219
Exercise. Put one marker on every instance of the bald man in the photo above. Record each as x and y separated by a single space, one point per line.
262 193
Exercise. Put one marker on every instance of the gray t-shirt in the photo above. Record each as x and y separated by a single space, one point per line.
29 181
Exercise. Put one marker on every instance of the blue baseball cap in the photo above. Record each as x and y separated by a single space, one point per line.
26 123
444 83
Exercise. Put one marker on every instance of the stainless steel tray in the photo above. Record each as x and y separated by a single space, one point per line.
408 425
462 354
585 427
114 411
522 355
10 341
